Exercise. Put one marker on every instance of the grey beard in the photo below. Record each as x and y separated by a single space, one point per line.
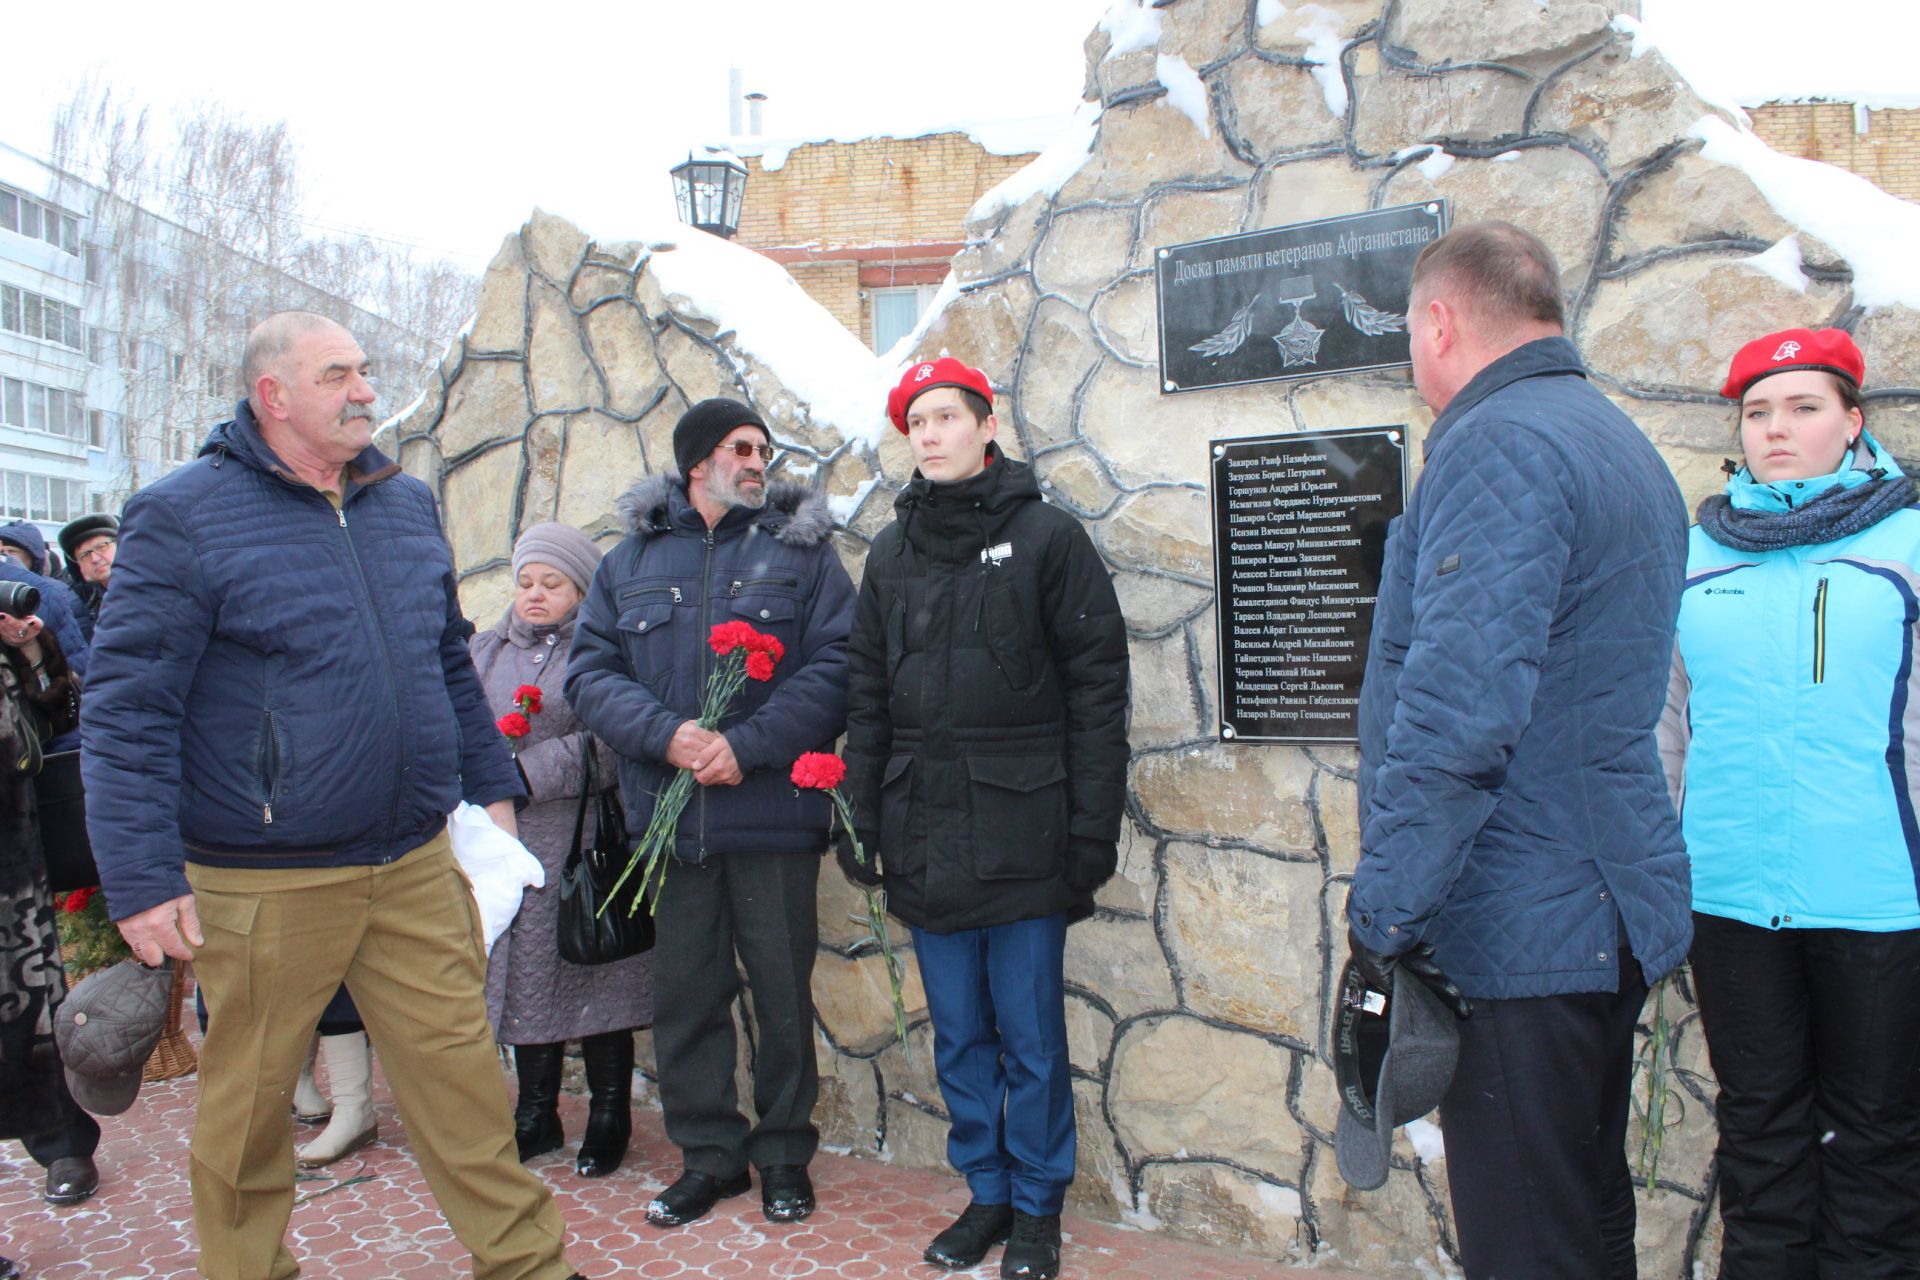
733 494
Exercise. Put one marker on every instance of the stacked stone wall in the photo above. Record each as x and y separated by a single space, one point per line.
1198 993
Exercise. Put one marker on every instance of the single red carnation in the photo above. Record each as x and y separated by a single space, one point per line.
528 696
77 901
760 666
728 636
819 771
514 725
769 645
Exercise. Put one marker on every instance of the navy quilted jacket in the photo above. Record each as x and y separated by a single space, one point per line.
278 684
1513 809
640 659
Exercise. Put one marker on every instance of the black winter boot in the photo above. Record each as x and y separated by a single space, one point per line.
536 1116
609 1062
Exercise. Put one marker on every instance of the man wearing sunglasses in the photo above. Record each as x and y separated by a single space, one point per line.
720 543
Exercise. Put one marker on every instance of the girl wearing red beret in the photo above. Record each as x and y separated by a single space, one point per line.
1792 741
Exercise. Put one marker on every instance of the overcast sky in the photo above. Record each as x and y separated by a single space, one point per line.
419 125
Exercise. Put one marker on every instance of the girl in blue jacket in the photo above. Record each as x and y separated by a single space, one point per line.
1792 739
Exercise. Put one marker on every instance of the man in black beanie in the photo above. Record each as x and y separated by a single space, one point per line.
719 543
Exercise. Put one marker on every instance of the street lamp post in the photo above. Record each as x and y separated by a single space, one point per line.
708 192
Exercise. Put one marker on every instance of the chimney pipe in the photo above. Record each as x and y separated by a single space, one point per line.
756 122
733 101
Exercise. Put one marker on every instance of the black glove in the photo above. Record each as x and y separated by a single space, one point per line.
1090 863
1376 970
868 875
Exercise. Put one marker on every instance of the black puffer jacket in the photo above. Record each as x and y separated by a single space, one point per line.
986 725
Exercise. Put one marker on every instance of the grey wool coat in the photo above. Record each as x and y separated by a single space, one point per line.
533 996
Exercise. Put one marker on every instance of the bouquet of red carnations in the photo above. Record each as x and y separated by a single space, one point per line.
745 654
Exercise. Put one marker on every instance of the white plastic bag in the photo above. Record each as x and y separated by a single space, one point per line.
499 866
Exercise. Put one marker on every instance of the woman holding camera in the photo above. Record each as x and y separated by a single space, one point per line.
537 1000
39 698
1792 737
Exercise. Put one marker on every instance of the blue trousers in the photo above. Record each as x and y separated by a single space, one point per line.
1000 1048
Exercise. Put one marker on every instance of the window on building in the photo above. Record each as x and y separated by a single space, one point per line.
24 311
896 311
36 408
99 264
54 499
103 347
31 217
101 428
219 382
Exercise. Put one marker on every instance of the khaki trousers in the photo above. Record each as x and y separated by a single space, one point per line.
405 938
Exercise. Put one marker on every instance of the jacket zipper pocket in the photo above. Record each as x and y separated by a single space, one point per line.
740 584
269 768
1820 633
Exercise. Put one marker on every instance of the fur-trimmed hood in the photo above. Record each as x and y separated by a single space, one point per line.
794 515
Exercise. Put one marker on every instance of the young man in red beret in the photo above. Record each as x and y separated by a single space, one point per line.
986 762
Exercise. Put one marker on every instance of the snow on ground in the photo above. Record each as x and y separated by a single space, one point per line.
1759 51
1872 230
1185 92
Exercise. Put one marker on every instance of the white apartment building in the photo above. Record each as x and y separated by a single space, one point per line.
120 341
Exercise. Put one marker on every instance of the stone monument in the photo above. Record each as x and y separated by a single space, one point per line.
1198 995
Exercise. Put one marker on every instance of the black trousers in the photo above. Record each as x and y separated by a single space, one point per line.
1814 1035
1536 1128
77 1134
761 906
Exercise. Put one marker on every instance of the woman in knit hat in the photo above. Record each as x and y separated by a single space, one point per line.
1792 744
537 1000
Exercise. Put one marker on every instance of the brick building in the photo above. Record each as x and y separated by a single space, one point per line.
1886 151
868 226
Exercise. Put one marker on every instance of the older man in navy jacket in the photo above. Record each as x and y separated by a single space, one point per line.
282 692
1515 826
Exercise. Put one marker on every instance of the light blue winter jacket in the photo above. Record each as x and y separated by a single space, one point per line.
1792 732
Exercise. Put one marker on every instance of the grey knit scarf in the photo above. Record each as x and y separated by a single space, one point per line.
1835 514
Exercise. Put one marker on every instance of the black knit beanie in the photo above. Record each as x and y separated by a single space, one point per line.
706 425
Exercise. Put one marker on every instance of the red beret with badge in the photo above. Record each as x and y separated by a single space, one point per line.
1831 350
925 376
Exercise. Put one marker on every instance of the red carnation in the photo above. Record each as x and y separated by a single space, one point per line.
769 645
514 725
528 696
76 902
819 771
728 636
760 666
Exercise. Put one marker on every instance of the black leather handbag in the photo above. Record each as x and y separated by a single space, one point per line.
589 935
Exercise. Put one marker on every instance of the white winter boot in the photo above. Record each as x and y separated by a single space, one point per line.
350 1075
310 1106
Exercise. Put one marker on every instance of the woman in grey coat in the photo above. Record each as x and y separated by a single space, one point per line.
537 1000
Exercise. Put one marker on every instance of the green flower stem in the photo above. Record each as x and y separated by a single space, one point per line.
728 678
877 925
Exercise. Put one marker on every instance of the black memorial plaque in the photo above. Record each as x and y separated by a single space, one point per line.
1299 535
1291 302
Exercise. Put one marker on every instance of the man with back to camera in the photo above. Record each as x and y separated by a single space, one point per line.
986 766
283 690
1516 834
719 543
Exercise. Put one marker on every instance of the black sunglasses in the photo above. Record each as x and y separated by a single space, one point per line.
747 448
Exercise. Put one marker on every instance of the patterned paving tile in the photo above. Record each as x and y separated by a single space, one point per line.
372 1218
